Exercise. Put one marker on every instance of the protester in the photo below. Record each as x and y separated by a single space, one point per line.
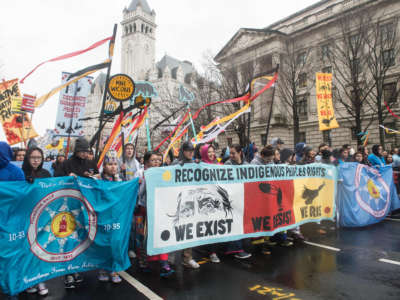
376 159
299 150
20 154
33 165
58 164
110 173
364 151
266 157
8 172
207 153
197 155
389 159
79 164
159 159
321 148
169 158
308 156
236 157
287 156
33 168
186 157
277 143
150 160
277 156
128 165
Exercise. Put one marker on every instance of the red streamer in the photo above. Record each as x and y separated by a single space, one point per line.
390 111
65 56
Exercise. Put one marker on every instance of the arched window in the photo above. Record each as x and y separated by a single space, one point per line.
130 28
160 73
147 29
126 29
174 73
134 27
150 30
188 78
142 27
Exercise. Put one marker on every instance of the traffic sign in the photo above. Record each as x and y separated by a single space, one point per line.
121 87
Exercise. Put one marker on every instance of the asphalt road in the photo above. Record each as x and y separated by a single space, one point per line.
342 264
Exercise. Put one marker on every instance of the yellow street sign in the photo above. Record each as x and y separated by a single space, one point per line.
121 87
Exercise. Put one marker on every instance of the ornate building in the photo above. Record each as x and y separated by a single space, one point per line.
314 33
138 54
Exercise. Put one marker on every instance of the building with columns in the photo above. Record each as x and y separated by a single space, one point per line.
138 60
312 29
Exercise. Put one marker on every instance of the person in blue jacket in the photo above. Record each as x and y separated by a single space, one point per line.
8 172
375 158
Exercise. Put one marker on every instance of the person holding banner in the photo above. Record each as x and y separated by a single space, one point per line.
208 156
236 157
150 160
33 168
110 173
33 165
129 167
186 157
79 164
266 157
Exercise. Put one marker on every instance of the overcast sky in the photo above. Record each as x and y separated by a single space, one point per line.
32 31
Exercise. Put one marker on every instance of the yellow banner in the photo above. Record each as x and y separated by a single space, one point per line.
17 127
326 114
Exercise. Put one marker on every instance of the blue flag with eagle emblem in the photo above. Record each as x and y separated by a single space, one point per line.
58 226
365 195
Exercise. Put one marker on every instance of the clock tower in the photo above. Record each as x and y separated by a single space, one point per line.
138 40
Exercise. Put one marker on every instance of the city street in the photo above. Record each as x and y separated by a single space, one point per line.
362 263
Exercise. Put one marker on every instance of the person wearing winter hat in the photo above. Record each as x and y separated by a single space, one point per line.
79 164
288 156
299 150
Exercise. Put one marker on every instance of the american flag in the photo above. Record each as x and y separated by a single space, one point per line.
28 103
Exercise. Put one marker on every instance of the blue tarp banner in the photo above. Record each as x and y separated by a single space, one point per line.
365 195
64 225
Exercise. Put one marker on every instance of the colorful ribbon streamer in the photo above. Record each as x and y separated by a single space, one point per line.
69 55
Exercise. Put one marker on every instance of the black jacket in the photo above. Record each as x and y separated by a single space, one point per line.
77 166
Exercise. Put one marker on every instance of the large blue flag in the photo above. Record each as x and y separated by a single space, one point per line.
365 195
58 226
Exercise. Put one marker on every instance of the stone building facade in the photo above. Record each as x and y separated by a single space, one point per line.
310 28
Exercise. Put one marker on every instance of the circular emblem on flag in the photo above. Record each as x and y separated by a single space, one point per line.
62 225
372 192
